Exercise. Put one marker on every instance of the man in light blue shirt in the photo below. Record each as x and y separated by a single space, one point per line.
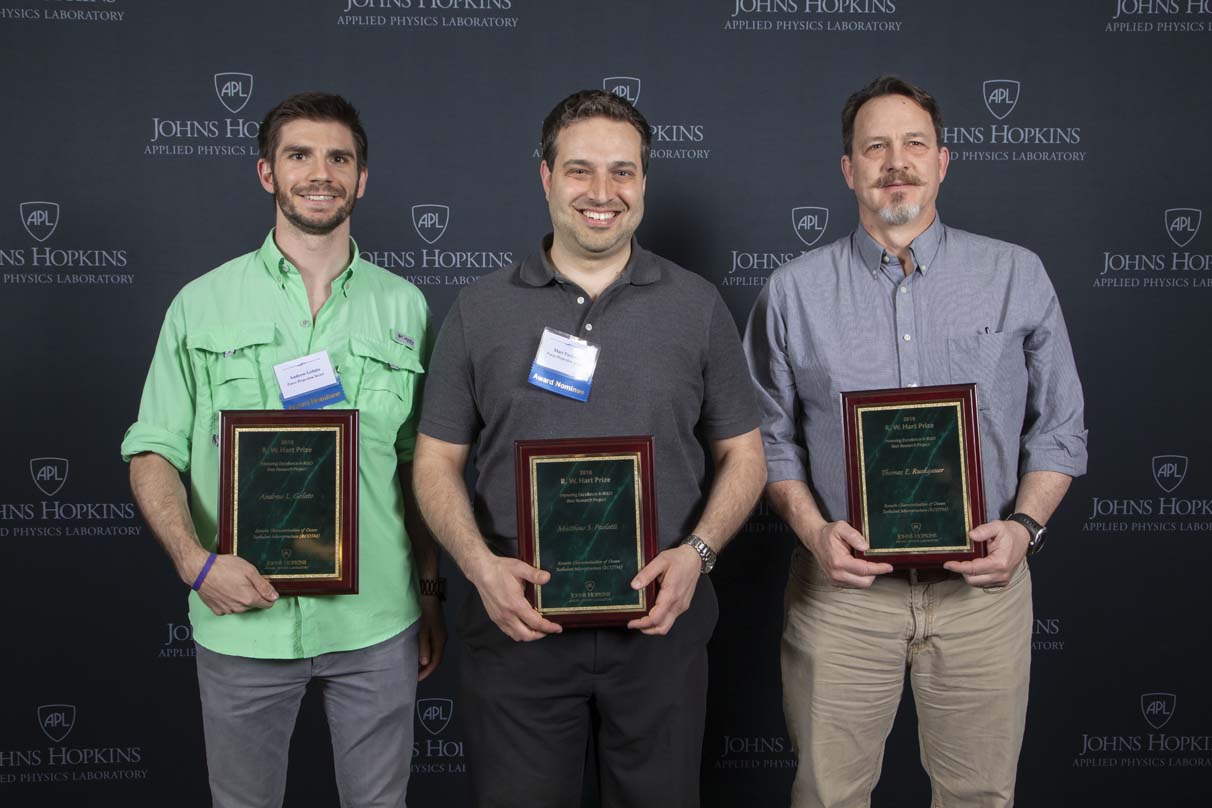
905 301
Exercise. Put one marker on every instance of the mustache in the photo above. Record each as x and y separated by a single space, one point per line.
322 189
898 178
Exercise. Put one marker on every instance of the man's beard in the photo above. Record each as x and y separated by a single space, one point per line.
313 227
898 214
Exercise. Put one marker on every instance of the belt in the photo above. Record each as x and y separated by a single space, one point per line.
925 575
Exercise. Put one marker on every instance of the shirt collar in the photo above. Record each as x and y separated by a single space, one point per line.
278 265
924 248
641 270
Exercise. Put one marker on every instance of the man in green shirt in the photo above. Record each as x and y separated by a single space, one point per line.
306 290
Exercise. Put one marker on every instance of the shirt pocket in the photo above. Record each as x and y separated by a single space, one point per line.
995 363
231 358
387 392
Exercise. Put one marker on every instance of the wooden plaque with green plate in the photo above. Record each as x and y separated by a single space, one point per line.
587 515
913 473
288 496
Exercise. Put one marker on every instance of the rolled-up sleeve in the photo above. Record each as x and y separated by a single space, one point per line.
765 346
166 410
1054 432
449 412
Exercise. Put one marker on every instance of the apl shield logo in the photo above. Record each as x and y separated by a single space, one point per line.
434 714
1157 708
57 720
810 223
49 473
1000 97
234 90
1182 224
40 219
627 87
1169 471
430 221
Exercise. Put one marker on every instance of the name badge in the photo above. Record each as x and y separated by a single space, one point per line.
564 364
308 383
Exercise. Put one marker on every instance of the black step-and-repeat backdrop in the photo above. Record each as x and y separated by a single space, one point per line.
1079 130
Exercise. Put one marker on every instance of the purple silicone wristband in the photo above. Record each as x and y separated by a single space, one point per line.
202 575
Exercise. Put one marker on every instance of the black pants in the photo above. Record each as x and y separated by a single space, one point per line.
529 709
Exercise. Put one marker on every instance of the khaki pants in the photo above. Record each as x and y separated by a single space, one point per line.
844 657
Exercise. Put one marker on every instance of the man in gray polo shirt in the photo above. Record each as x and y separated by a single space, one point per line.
670 365
902 302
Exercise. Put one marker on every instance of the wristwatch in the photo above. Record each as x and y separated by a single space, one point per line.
1038 532
705 552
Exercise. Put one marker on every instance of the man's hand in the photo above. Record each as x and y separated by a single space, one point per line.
678 570
233 586
1008 543
431 642
499 582
830 544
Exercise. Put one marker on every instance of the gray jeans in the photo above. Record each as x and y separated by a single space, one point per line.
249 708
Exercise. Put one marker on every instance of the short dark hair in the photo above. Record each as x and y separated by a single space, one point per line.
888 85
587 104
311 106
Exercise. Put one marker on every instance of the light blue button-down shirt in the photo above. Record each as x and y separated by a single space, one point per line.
846 317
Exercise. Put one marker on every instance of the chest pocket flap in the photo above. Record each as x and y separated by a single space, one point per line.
386 355
387 392
230 358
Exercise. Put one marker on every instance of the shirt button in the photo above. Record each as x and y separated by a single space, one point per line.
907 338
904 290
588 326
884 258
921 266
305 323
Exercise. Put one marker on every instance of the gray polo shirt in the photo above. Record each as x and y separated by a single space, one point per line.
670 365
845 317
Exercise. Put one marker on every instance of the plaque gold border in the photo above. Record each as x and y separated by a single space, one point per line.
235 507
961 435
637 484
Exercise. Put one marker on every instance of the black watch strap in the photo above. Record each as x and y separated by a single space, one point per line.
1038 532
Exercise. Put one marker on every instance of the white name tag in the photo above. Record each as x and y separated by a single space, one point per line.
308 382
564 364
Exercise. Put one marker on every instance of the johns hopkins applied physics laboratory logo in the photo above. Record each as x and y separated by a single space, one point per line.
55 516
60 762
1153 264
433 753
42 261
432 265
1013 142
1139 741
753 267
1158 16
1169 510
199 134
847 17
423 15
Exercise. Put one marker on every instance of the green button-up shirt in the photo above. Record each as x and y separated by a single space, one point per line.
222 336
